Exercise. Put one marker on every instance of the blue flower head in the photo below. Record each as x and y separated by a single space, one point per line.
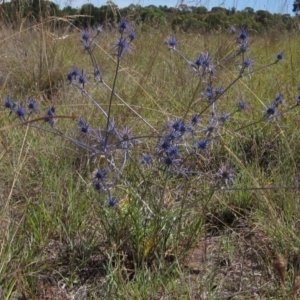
195 119
146 160
122 47
209 93
84 128
32 106
242 105
270 111
82 79
279 56
8 103
100 174
85 36
49 116
202 145
173 151
164 145
123 25
20 112
98 186
112 202
178 125
219 90
243 34
132 35
204 60
278 100
72 75
171 42
169 161
247 63
244 47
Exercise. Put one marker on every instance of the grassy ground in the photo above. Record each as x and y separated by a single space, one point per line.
169 237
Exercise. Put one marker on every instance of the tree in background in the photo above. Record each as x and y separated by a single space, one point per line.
296 7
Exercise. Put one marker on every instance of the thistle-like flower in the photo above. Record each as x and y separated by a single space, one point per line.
241 105
195 119
178 125
112 202
100 174
20 112
84 128
85 35
278 100
98 74
49 116
82 79
243 34
72 75
146 160
270 112
132 35
171 42
247 64
32 106
280 56
123 25
226 174
10 104
122 47
202 145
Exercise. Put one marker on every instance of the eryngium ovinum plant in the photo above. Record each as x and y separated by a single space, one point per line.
154 188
